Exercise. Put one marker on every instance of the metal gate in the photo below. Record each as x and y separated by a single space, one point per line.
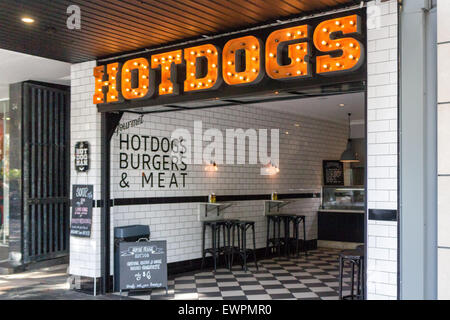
46 171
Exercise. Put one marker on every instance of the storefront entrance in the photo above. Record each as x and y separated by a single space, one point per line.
136 188
313 130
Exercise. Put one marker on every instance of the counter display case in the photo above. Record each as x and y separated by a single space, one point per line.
343 198
341 215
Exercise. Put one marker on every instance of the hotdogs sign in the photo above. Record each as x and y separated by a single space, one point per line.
293 52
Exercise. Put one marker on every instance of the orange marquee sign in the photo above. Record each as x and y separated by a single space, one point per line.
292 52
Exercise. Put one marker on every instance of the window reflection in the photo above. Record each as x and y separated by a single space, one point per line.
4 179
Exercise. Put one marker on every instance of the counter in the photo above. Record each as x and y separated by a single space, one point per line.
341 225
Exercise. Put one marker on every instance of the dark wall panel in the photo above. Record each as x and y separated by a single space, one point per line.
43 142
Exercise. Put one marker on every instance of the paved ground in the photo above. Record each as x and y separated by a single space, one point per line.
314 277
3 252
44 284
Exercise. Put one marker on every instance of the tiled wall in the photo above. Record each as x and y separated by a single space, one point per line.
301 155
443 13
85 126
382 147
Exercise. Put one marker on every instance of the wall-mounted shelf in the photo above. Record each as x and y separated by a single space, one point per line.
274 206
212 211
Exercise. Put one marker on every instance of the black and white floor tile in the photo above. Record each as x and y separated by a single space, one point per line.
314 277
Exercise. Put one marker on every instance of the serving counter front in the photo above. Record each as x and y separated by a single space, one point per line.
341 217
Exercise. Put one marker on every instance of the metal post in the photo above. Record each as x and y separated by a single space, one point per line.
105 210
418 152
109 122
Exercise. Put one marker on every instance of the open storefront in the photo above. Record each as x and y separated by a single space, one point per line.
170 122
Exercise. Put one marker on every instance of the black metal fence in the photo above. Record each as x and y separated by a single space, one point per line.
46 172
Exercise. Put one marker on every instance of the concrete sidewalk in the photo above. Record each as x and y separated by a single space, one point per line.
43 284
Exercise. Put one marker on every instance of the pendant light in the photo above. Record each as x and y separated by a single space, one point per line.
348 155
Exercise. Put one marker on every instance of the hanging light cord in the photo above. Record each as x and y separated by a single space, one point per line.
349 127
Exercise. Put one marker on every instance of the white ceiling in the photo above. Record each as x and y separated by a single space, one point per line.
325 108
17 67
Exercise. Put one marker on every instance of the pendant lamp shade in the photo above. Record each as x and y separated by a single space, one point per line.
348 155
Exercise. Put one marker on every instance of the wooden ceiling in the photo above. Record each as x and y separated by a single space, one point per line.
110 27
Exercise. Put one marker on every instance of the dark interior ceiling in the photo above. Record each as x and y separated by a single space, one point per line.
109 27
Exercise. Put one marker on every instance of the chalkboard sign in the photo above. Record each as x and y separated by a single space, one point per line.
82 156
142 265
82 202
333 173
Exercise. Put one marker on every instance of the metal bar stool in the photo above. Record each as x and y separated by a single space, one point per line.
296 220
229 249
356 259
244 252
274 243
215 249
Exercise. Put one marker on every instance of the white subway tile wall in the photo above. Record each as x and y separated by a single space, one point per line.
382 147
443 14
85 126
301 155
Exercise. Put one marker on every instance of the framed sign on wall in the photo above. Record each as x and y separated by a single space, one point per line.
82 156
333 173
82 203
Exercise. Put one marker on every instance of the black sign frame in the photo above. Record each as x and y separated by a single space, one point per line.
333 168
265 86
157 250
82 148
82 204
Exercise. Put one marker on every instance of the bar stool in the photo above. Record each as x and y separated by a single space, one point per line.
215 249
356 259
229 249
361 291
274 243
244 252
295 220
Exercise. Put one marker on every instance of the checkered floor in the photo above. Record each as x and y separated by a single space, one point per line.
314 277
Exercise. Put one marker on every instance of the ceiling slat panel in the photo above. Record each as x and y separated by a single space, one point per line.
111 27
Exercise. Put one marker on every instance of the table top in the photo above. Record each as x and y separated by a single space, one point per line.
218 221
284 215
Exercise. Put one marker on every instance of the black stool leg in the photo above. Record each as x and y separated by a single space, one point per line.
239 244
296 226
244 247
352 295
214 247
267 236
341 274
304 236
254 246
363 279
358 280
232 247
224 250
279 237
286 236
275 238
203 246
228 246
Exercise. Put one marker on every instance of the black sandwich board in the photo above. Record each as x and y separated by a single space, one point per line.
142 265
